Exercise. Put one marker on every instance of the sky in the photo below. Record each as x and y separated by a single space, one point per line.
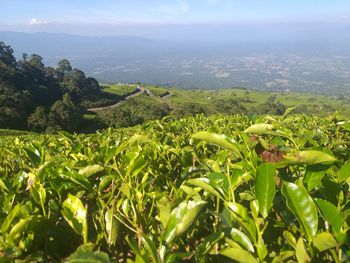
93 16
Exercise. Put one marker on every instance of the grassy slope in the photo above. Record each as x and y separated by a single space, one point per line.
119 89
251 99
212 101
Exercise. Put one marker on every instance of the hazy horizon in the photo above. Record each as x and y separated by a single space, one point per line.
175 19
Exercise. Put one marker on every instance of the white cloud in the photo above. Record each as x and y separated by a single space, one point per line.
179 8
35 21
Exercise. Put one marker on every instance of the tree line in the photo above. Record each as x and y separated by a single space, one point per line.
41 98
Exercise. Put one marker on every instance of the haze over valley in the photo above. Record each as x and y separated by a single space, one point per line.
306 56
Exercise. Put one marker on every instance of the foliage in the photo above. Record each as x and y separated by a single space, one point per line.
30 91
200 189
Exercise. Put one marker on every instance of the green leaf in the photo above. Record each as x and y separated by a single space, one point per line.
283 256
3 186
78 179
33 154
150 247
260 128
37 191
181 218
344 172
136 165
290 238
262 249
75 214
239 210
219 140
164 208
137 139
302 206
176 257
241 213
330 214
263 128
309 157
84 254
91 170
242 239
9 218
111 226
239 255
203 183
324 241
265 187
133 245
105 183
313 179
19 227
204 248
300 252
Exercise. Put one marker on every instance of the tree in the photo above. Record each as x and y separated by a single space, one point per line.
27 86
93 86
37 121
74 83
269 107
63 66
64 114
119 118
188 109
6 55
8 62
13 106
36 61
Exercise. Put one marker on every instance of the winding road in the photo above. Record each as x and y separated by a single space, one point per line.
138 91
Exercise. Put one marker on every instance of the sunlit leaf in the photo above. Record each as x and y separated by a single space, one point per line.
302 206
308 157
86 254
265 187
217 139
91 170
75 214
111 226
239 255
324 241
181 218
300 252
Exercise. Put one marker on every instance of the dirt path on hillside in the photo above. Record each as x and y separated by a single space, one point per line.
138 91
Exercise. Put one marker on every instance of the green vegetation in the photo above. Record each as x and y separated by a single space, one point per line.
181 103
120 90
41 98
199 189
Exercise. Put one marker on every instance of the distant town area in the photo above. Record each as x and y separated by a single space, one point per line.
263 72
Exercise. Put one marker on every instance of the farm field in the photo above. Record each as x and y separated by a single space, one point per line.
198 189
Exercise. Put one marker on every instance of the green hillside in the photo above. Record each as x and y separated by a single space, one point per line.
155 102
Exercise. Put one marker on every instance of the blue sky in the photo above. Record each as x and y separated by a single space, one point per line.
34 12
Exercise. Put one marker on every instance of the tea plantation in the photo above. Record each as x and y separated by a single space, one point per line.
200 189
